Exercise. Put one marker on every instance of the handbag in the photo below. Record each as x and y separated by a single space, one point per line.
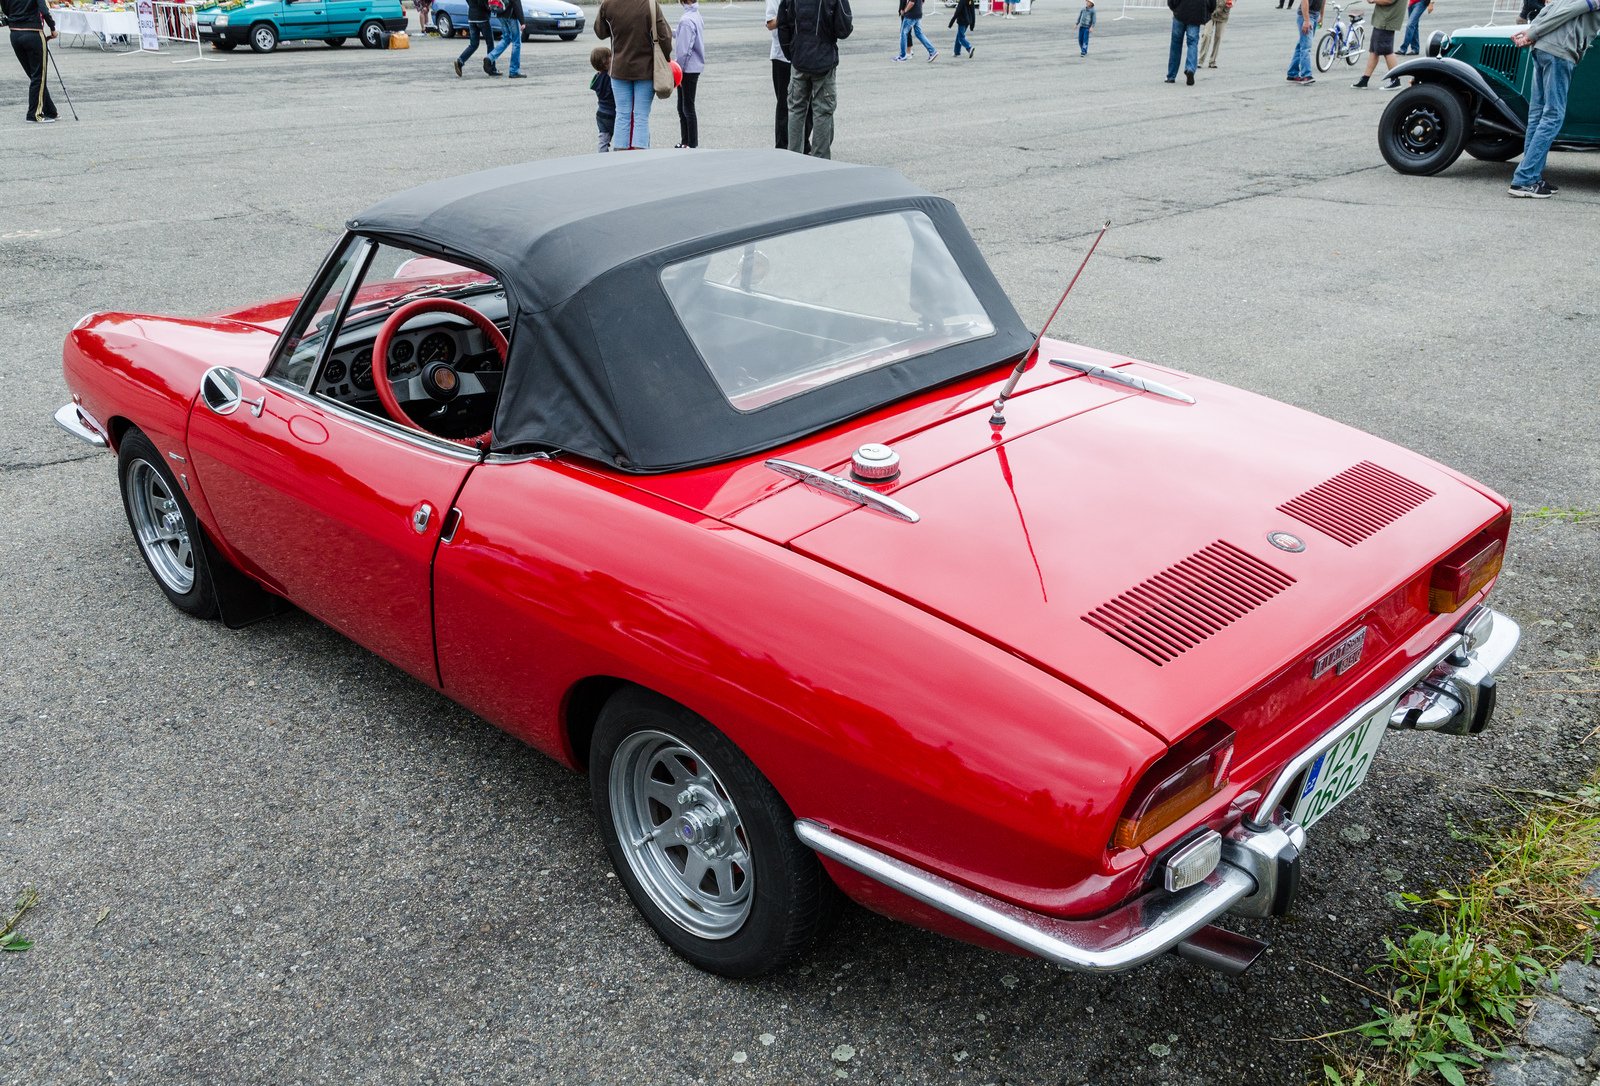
661 73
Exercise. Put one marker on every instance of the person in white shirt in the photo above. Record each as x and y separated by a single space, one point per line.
780 84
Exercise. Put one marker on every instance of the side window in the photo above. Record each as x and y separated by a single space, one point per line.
304 342
440 328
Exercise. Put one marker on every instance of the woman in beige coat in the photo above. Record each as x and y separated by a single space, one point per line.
627 24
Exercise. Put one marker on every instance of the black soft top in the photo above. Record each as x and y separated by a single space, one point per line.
599 363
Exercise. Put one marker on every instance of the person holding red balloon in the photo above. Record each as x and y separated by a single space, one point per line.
689 48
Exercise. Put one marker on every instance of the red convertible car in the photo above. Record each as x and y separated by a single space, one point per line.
691 482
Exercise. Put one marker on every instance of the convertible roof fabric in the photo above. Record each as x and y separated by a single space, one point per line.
599 363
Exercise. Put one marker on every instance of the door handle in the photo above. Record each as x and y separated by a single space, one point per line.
420 517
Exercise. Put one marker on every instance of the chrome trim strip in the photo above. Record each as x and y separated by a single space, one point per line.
1128 936
76 421
1261 816
1117 377
372 422
818 479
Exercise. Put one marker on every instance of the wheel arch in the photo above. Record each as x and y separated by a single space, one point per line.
581 709
1482 101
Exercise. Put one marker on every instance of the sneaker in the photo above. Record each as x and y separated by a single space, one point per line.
1188 77
516 75
1210 65
489 68
971 52
1536 191
1553 188
933 56
1170 79
1303 80
456 64
1362 82
47 120
1391 84
898 60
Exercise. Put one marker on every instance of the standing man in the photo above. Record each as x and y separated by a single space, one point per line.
1188 16
809 34
1387 17
911 23
1211 36
780 86
1309 16
1410 42
510 19
1559 36
27 19
477 30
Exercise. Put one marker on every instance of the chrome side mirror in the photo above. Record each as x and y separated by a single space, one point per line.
219 388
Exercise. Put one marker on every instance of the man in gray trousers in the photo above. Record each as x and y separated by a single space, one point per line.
809 32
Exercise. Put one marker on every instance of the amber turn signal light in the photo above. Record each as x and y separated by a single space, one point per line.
1462 573
1193 771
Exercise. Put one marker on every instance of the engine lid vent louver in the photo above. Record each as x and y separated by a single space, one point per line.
1357 502
1170 613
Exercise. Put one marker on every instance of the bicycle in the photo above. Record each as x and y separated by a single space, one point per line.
1339 40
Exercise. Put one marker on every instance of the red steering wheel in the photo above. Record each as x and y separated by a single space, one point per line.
444 379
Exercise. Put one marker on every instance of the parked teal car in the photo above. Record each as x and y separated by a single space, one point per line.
262 24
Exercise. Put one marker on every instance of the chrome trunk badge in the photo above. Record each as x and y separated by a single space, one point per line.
1286 542
1342 657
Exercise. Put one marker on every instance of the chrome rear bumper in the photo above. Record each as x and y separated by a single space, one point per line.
1260 864
75 421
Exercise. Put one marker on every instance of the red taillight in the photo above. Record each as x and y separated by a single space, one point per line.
1464 571
1186 776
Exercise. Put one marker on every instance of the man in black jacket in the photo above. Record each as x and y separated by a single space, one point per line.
809 32
1188 16
477 28
27 19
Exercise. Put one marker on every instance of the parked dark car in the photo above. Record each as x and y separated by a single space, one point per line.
538 17
1470 93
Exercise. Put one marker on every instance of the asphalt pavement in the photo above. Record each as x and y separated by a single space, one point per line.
266 856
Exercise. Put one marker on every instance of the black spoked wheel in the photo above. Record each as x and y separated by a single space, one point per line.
1423 130
702 842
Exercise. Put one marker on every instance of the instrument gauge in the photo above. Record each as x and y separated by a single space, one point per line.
361 369
436 347
335 371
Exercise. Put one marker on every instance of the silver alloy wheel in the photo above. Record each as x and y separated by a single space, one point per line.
681 834
266 39
159 526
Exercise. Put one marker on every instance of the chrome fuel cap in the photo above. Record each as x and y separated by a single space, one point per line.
875 463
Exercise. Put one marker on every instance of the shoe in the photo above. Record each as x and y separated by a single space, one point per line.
1536 191
489 68
971 51
46 120
898 60
516 75
1171 79
1210 65
1553 188
1188 77
933 56
456 64
1358 84
1391 84
1303 80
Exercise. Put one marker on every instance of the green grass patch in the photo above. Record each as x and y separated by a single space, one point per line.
10 937
1455 983
1547 515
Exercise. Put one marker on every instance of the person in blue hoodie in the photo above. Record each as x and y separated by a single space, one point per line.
689 48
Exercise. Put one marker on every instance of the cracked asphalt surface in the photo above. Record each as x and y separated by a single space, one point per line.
266 856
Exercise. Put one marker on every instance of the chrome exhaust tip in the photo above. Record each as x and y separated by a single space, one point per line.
1220 949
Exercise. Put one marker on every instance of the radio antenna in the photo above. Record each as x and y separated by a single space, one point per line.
998 419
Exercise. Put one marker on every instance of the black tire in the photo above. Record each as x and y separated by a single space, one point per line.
1495 148
569 37
263 38
444 25
223 46
142 476
1422 130
792 899
373 35
527 36
1325 51
334 43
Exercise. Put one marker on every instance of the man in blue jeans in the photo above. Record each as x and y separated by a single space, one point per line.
510 20
1188 16
1300 64
1411 41
477 30
1559 37
911 23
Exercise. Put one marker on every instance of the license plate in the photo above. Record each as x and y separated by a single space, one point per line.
1340 771
567 23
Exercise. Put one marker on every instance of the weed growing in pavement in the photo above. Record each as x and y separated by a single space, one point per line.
1456 980
1546 515
10 937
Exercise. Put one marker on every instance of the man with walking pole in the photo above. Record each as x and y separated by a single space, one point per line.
27 20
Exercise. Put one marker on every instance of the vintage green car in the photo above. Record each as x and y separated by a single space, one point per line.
1470 93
